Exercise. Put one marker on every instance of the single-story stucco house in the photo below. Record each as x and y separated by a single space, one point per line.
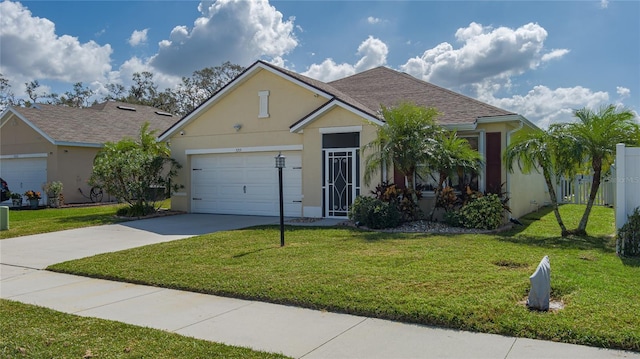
227 145
46 143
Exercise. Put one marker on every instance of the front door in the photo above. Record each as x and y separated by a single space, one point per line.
340 181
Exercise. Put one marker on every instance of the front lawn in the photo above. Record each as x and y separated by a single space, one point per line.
470 282
26 222
27 331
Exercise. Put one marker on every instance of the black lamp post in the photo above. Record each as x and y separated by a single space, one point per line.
280 165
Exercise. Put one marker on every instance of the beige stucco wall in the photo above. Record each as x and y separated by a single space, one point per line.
213 128
73 169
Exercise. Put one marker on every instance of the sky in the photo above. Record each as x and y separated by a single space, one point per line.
541 59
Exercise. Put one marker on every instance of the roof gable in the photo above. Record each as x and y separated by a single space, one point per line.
92 126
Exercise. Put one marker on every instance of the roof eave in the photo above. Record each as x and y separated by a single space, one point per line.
300 125
508 118
79 144
460 126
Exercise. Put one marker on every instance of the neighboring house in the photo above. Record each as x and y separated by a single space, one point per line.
47 143
227 145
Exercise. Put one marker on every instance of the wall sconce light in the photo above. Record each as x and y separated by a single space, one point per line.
181 133
237 127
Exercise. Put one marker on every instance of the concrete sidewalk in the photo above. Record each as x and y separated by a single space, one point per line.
297 332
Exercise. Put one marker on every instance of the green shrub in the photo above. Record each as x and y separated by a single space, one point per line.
629 235
485 212
374 213
404 199
135 210
453 218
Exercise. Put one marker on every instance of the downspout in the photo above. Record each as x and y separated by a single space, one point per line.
509 133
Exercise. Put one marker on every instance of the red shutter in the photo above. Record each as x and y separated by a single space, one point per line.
494 162
398 178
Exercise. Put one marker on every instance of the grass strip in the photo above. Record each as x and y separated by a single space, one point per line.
28 331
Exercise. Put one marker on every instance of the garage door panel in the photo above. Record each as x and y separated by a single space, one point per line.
23 174
245 183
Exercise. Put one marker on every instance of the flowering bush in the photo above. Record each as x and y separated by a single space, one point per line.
53 189
31 194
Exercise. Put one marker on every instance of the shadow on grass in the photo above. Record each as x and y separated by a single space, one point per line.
244 254
94 219
603 244
630 261
516 235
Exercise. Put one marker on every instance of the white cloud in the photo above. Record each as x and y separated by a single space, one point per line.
229 30
373 51
31 49
545 106
329 70
138 37
623 92
604 4
373 20
554 54
486 53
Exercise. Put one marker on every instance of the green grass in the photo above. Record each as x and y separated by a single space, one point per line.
27 222
27 331
470 282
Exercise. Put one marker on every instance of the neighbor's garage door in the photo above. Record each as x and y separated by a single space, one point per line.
245 183
23 174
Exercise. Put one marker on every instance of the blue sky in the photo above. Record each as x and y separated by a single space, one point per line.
540 59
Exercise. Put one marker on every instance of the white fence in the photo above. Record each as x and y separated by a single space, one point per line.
627 180
577 190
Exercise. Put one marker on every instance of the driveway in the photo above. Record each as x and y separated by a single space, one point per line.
42 250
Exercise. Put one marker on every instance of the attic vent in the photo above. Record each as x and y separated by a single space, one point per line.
163 113
127 108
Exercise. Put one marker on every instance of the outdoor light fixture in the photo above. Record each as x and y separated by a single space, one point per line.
280 165
237 126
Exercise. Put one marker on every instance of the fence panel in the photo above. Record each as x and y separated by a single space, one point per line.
576 190
627 182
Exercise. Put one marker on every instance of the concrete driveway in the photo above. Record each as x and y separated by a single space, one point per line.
42 250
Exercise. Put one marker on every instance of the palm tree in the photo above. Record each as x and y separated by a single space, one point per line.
534 150
596 134
452 154
405 140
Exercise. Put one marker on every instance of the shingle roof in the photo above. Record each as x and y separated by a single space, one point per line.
388 87
105 122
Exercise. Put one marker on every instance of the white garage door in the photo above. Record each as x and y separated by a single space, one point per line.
23 174
245 183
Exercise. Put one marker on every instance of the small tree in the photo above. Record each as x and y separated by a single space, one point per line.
595 135
539 150
134 170
405 140
452 154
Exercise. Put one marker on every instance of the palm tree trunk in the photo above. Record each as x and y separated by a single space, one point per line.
595 185
554 203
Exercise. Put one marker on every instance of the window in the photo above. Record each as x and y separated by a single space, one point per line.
459 181
264 104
